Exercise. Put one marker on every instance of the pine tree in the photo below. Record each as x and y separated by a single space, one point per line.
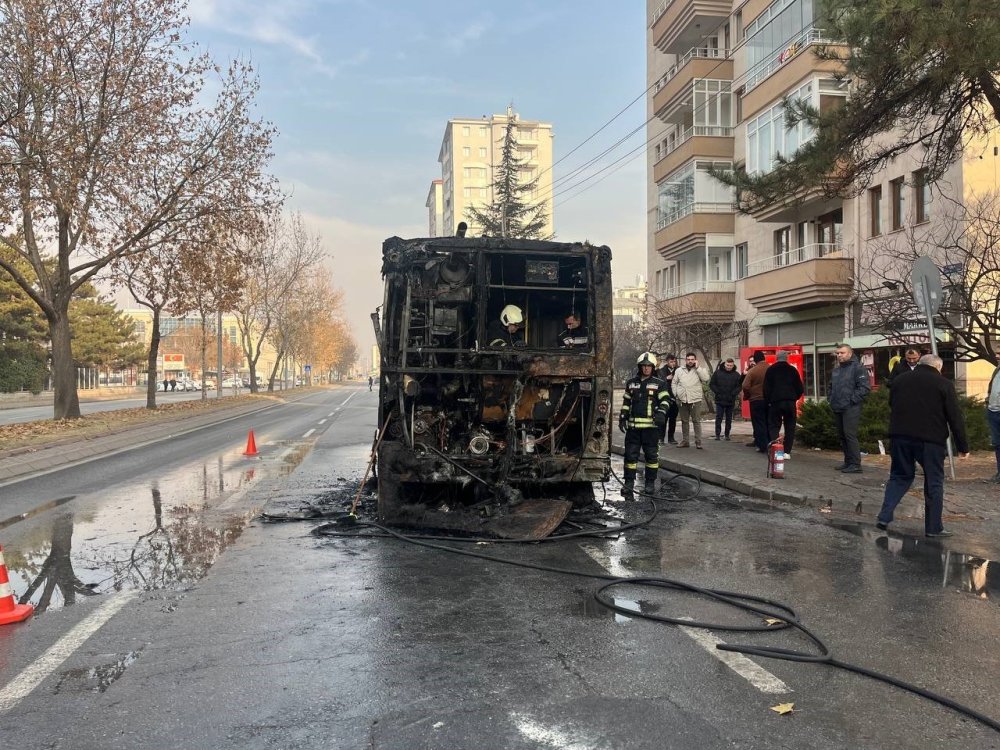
511 213
921 71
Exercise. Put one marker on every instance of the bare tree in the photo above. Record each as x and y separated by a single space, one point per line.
286 256
964 242
105 151
698 323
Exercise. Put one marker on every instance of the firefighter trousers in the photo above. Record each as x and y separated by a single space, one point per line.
647 442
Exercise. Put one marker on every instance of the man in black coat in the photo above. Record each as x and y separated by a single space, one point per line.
666 374
909 363
782 389
923 409
725 385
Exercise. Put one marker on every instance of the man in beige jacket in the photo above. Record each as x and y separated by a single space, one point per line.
688 391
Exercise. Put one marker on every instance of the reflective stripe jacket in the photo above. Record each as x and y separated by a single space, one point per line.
643 398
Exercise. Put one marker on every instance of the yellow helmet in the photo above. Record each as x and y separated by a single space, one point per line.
511 314
646 358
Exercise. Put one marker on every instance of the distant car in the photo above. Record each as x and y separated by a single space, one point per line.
210 383
232 383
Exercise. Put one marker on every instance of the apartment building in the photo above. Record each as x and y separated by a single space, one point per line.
470 150
435 209
788 273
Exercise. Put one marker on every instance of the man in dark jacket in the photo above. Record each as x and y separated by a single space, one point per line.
849 386
753 392
725 384
782 389
667 376
908 364
923 409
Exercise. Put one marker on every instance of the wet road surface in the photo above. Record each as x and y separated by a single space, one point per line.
294 641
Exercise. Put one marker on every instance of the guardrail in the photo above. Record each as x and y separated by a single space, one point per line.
793 257
711 131
693 208
692 287
708 53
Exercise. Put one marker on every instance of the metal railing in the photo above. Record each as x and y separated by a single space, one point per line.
695 52
753 77
680 212
699 286
793 257
660 11
713 131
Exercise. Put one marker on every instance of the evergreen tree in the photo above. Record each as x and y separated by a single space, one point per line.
920 72
511 213
102 335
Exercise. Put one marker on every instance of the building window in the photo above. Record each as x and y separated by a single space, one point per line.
875 210
898 199
466 172
482 192
692 184
482 131
741 260
782 246
769 133
465 130
466 151
802 236
466 192
921 196
482 152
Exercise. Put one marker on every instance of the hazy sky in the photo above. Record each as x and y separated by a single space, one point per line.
360 92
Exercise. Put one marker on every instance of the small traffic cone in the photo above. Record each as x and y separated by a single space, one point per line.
9 610
251 445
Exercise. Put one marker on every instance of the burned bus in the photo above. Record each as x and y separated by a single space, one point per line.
483 435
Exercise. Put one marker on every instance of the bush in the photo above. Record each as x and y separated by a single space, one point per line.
816 427
22 367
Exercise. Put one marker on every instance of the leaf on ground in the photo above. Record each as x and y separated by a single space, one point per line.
826 510
783 708
774 621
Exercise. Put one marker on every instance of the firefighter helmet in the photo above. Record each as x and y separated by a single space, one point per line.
646 358
511 314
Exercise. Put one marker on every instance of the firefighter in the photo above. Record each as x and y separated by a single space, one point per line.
509 330
644 412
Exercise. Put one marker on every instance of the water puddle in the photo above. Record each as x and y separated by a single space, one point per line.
590 607
156 534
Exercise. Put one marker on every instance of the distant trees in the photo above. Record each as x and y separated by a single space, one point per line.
111 146
512 211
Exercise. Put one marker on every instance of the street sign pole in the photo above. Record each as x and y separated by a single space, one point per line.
926 281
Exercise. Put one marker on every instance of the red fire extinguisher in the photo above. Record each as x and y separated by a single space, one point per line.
776 460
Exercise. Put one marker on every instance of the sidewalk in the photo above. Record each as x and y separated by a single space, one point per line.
971 506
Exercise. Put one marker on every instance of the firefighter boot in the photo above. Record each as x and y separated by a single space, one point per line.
650 482
628 489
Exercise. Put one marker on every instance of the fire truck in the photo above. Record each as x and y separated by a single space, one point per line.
477 435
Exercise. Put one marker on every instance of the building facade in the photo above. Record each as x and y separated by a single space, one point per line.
435 210
470 150
792 273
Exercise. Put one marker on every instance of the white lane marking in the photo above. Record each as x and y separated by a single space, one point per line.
322 421
745 667
344 402
310 432
60 651
331 413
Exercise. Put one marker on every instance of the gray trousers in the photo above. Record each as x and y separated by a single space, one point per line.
691 413
847 430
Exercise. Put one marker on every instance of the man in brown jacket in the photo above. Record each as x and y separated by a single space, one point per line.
753 391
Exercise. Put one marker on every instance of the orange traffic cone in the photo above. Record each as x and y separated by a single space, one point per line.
251 445
9 610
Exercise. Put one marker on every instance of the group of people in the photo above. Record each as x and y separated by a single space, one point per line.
924 411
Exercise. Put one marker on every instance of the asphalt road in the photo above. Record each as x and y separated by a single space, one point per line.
211 633
35 413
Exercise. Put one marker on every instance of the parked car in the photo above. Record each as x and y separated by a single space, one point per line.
232 383
210 383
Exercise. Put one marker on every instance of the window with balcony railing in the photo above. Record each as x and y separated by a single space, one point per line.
691 188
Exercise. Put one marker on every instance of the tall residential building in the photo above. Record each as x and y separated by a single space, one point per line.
470 150
435 210
790 273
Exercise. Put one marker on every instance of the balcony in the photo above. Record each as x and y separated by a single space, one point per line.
698 302
812 276
707 141
771 78
674 90
684 228
678 25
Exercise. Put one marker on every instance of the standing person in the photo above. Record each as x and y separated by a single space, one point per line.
166 385
849 387
575 335
173 384
725 384
669 430
689 394
753 392
371 382
908 364
923 407
993 413
644 411
782 389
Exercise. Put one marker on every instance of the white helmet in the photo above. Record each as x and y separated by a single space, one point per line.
511 314
646 358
